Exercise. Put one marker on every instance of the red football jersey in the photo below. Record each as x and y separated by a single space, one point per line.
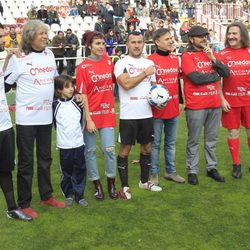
236 88
167 74
199 96
95 79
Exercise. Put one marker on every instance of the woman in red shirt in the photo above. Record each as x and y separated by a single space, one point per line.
94 80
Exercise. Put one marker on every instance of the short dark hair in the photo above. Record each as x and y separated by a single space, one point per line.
243 32
159 33
118 49
93 35
60 82
134 33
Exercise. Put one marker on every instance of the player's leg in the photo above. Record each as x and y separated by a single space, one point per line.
126 138
145 136
91 163
231 121
211 129
155 154
108 148
170 132
7 163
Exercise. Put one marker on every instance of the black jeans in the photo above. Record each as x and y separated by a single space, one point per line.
26 136
59 64
71 66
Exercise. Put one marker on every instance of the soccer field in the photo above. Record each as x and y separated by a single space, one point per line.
210 215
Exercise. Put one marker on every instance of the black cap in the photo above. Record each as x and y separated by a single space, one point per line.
197 31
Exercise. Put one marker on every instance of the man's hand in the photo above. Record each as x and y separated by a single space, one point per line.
13 51
91 128
150 70
225 105
209 53
79 99
181 108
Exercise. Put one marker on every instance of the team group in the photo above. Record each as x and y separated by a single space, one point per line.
212 81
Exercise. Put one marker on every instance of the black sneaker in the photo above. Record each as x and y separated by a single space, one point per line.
236 171
192 179
18 214
214 174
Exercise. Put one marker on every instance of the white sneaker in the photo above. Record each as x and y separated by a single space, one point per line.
125 193
150 186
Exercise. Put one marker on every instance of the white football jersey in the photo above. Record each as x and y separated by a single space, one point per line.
34 74
133 102
5 121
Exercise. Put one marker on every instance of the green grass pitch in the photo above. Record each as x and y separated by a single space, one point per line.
208 216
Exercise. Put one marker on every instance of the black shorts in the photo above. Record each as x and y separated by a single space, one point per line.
7 150
140 130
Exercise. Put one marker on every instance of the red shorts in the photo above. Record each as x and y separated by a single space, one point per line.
235 117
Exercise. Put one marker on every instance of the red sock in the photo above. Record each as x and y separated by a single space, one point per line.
234 146
248 142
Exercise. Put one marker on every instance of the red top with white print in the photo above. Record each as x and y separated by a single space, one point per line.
199 96
236 88
167 74
95 79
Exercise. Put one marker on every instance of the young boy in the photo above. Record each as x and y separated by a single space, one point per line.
68 118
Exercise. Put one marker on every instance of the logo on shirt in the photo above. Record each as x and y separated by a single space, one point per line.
202 65
29 63
224 52
210 87
105 105
39 71
238 63
134 70
164 71
241 89
99 77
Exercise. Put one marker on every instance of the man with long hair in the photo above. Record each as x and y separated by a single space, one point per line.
201 74
33 72
235 94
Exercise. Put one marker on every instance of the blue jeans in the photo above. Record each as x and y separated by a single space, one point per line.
170 132
107 136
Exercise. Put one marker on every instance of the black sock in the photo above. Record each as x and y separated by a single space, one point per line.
6 184
122 164
145 167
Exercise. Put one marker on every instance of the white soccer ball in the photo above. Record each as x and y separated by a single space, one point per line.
158 96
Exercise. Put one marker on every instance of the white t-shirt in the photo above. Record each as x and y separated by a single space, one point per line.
34 74
133 102
5 121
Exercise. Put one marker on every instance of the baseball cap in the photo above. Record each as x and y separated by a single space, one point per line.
198 31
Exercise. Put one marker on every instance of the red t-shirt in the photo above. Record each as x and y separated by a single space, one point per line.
236 88
167 74
199 96
95 79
